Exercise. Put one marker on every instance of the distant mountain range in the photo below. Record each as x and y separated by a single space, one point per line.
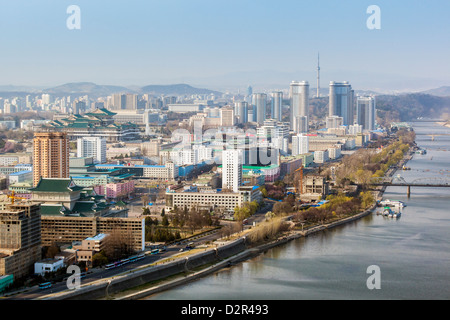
440 92
95 90
84 88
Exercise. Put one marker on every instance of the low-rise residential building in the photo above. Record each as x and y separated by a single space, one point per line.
115 190
89 247
321 156
334 153
20 176
48 265
13 159
290 164
7 170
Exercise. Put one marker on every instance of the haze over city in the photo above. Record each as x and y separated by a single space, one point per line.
227 45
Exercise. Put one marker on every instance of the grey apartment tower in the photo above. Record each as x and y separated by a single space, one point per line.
341 101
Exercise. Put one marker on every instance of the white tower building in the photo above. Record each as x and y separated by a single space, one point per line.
232 169
300 144
92 147
299 96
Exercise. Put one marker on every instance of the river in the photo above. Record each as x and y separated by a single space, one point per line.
412 252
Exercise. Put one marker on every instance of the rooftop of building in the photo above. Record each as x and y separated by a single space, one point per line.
49 261
131 166
98 237
18 173
194 189
3 255
56 185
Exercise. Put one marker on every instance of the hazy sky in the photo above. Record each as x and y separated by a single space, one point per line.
226 43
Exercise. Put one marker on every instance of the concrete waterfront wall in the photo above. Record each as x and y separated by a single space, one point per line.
141 277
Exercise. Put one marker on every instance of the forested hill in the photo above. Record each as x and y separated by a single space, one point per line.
405 107
411 106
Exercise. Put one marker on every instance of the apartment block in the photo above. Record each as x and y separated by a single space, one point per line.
66 229
50 156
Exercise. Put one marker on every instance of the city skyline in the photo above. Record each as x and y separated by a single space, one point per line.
195 42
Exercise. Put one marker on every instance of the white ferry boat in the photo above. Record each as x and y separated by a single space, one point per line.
392 203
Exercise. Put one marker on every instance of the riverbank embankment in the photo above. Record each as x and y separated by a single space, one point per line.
183 269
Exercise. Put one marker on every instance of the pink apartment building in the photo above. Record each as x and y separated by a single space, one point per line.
115 190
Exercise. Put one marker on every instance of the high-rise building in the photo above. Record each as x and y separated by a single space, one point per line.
301 124
28 102
259 101
94 147
20 240
300 144
118 101
333 122
341 102
249 91
299 96
50 156
241 111
131 101
276 105
227 117
232 169
365 112
78 107
46 98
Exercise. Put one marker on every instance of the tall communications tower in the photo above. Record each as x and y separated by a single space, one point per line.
318 76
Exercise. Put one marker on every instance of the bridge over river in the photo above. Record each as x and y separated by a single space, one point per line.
399 181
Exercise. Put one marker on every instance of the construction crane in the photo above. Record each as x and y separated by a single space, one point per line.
301 179
13 197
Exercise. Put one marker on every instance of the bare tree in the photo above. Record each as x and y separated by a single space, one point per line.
118 243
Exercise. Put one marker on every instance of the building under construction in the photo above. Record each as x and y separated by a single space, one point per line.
20 238
315 187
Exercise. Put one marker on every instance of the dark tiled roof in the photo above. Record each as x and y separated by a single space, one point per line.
56 185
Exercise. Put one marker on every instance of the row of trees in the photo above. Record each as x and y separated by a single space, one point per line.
274 191
193 219
155 234
366 164
246 210
179 220
339 206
